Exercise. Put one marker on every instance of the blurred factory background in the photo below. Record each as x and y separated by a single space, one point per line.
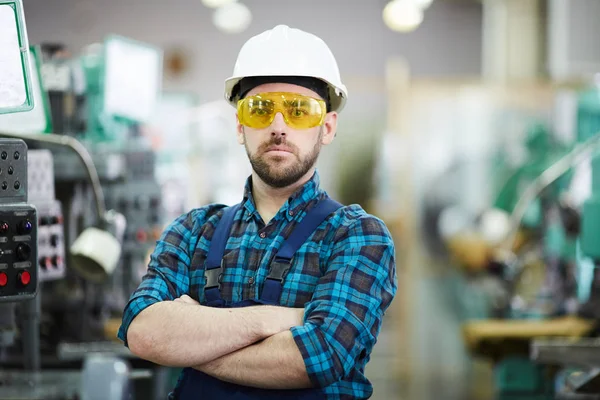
471 129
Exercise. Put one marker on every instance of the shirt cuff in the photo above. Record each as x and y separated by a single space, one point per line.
319 364
135 306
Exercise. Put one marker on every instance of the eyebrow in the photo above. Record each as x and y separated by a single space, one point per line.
296 102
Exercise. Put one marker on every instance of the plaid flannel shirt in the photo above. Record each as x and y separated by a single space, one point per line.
344 276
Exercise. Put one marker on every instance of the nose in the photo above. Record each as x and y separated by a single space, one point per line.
278 126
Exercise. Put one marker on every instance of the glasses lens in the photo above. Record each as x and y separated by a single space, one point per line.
299 112
256 112
303 113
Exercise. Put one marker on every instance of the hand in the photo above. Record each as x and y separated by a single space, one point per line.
291 317
299 316
185 299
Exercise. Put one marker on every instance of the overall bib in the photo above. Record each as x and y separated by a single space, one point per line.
196 385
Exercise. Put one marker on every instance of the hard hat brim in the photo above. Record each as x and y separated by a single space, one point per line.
337 95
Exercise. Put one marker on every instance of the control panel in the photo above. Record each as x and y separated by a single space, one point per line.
140 203
51 232
13 171
40 176
18 252
140 165
51 241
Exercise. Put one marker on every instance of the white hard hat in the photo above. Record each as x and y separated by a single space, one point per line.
284 51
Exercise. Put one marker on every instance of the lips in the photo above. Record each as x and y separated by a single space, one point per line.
279 148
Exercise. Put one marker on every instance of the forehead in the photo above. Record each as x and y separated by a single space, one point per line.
282 87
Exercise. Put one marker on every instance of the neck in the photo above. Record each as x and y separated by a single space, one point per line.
269 200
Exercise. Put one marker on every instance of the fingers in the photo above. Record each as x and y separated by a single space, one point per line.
185 299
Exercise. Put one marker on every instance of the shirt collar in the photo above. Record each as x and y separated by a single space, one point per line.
296 202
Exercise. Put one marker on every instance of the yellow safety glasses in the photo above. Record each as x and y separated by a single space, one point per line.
299 112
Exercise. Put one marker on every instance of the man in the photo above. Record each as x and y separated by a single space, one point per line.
283 295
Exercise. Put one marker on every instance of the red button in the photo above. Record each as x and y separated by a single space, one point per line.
3 279
57 261
25 278
141 236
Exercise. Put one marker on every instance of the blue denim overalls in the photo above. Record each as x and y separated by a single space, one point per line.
196 385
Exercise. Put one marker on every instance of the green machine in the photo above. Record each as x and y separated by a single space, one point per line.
515 376
588 128
588 125
37 119
123 87
576 241
542 151
15 74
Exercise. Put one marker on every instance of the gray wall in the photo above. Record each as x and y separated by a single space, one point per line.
573 35
447 44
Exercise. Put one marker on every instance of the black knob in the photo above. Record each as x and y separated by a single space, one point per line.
24 227
54 240
23 252
56 261
4 227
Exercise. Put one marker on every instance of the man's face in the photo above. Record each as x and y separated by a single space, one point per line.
280 155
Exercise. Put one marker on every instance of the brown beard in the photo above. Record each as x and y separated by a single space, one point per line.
278 177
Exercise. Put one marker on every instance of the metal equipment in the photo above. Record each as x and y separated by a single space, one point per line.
18 226
54 266
51 235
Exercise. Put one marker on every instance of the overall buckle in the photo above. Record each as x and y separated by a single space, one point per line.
279 269
213 277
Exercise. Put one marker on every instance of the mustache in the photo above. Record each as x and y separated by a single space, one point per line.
278 142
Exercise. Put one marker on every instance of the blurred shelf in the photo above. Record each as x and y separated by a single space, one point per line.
497 338
45 385
580 352
79 351
48 385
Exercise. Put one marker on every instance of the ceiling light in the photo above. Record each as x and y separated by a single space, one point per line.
232 18
402 15
216 3
422 4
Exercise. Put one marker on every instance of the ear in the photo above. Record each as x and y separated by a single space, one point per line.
329 128
240 130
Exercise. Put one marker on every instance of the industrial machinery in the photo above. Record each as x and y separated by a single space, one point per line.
80 211
548 262
581 359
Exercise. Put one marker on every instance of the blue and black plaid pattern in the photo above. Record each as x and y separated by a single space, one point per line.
344 275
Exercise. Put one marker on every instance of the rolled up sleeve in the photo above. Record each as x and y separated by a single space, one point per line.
343 319
167 276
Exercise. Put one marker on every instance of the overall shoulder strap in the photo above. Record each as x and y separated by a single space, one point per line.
282 262
306 227
213 269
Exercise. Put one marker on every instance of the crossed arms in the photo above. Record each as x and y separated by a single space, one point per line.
250 346
266 346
